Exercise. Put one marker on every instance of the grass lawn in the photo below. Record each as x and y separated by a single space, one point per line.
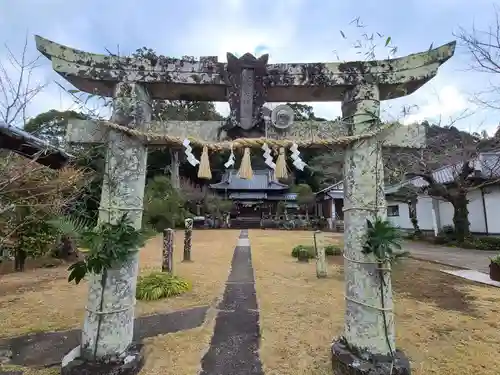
43 300
445 324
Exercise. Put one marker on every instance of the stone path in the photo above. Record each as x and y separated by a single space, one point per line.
234 349
478 260
48 348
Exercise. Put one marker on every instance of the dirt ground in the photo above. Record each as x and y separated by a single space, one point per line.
42 299
445 324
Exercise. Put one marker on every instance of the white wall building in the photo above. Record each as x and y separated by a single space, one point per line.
433 214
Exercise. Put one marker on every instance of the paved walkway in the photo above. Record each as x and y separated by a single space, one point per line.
234 348
48 348
478 260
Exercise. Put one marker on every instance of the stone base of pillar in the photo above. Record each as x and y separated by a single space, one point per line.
130 363
344 362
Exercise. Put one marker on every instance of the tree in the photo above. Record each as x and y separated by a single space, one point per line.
16 86
305 197
304 112
483 46
30 194
201 201
185 110
194 196
217 206
34 194
163 205
51 125
457 154
327 167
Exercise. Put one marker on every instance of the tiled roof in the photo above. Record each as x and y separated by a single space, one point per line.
486 165
249 195
262 180
27 145
337 186
287 197
263 195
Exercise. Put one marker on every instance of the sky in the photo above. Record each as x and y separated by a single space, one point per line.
289 30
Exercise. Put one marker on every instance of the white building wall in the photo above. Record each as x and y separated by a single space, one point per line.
476 213
445 212
424 213
492 203
403 219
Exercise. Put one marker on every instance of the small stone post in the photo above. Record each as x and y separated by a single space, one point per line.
168 251
319 244
188 234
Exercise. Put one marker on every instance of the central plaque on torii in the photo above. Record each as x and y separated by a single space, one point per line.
247 90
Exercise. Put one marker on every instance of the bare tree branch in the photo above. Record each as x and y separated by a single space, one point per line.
16 86
483 45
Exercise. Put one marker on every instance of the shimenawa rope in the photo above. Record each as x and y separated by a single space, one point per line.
247 142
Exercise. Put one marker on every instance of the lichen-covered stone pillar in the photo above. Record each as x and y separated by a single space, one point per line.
109 319
368 335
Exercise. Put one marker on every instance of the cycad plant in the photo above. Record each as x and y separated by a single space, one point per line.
107 244
382 238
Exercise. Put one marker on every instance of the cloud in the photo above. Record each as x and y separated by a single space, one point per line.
448 104
289 30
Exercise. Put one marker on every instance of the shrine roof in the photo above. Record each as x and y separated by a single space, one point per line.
262 181
207 79
27 145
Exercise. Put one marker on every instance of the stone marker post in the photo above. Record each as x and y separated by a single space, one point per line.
168 251
106 341
188 234
319 244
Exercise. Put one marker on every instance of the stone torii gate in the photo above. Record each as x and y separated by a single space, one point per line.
247 83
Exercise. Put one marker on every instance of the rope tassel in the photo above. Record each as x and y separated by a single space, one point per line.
204 169
281 169
245 171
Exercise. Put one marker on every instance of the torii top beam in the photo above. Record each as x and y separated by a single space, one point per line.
207 79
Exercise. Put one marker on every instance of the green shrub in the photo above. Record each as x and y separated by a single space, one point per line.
163 205
477 243
333 250
37 237
302 248
158 285
330 250
496 260
487 243
445 235
441 240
